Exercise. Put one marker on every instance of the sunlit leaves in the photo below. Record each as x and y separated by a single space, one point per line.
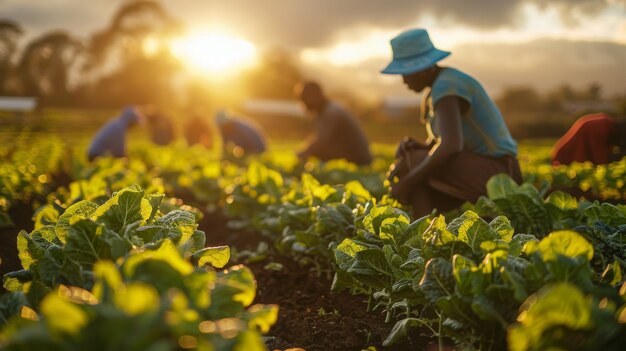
214 256
565 243
62 316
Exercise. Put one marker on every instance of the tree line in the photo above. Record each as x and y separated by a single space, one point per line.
111 67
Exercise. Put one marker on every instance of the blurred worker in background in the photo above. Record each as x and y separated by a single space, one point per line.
159 126
468 140
337 133
239 137
111 138
198 131
597 138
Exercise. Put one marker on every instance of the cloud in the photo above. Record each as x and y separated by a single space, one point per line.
544 63
316 23
78 17
301 23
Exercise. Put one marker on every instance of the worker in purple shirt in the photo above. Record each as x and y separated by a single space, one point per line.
239 137
111 138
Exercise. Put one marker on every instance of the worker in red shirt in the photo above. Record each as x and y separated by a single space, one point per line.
598 138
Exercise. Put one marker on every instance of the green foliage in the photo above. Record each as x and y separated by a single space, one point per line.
65 252
180 308
473 274
102 270
561 316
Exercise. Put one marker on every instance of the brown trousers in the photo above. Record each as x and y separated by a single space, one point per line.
463 178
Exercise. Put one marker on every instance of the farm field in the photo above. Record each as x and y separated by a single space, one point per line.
198 252
354 175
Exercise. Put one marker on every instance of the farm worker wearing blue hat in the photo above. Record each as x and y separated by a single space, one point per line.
239 137
468 140
111 138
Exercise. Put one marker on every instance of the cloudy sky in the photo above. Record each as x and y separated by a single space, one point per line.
501 42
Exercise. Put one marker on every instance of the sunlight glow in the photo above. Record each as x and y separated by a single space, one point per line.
214 53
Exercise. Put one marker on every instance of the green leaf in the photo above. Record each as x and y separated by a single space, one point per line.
194 243
166 253
473 230
262 317
63 316
565 243
107 280
25 248
561 304
392 229
82 209
527 214
137 298
215 256
462 268
412 235
242 288
177 225
562 201
85 245
125 207
438 279
374 259
343 280
503 227
355 188
401 329
13 281
10 305
484 308
346 252
155 201
501 186
515 280
45 215
516 245
379 214
607 213
437 233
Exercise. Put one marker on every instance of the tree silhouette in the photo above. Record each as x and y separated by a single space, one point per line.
122 40
117 69
46 62
10 33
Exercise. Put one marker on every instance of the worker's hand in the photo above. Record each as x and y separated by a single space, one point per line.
397 170
407 145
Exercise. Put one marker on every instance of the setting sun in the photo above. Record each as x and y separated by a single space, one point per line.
214 53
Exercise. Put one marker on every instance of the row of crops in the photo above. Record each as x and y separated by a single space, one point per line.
524 268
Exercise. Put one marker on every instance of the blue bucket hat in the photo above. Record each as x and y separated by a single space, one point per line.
413 52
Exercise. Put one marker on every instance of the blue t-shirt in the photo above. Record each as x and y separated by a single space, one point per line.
111 138
484 129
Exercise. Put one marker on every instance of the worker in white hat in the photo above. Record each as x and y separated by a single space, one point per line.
468 140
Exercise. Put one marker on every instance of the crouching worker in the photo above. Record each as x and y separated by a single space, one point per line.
597 138
111 138
239 137
337 133
468 140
